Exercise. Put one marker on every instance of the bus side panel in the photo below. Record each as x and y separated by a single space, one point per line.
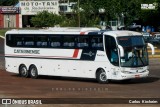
70 68
48 64
67 68
11 65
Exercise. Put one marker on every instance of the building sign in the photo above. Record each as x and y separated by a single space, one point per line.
9 10
33 7
149 6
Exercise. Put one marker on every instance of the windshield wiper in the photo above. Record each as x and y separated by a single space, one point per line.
140 57
141 60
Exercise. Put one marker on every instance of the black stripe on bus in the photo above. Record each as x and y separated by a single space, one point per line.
88 55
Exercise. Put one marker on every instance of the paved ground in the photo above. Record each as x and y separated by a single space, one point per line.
13 86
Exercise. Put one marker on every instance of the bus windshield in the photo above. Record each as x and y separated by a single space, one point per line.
135 51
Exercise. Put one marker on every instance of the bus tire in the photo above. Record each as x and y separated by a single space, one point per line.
33 72
101 76
23 72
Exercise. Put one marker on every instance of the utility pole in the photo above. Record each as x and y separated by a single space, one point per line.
79 21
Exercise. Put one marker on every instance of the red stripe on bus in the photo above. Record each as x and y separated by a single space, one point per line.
75 54
82 33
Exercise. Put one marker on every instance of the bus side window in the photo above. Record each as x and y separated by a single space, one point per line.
69 41
111 50
29 41
55 41
97 42
83 42
19 41
44 44
10 40
55 44
41 41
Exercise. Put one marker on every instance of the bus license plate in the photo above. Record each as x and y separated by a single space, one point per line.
137 76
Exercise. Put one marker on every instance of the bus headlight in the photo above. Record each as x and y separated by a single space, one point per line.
125 72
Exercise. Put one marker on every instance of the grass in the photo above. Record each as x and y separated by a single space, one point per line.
3 31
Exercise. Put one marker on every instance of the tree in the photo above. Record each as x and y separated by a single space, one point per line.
151 17
47 19
8 2
88 14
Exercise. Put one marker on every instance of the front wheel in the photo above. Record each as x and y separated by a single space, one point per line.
33 72
101 76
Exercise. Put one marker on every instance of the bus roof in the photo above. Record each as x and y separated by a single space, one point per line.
55 30
75 30
116 33
122 33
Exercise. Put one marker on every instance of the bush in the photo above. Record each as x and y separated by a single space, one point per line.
47 19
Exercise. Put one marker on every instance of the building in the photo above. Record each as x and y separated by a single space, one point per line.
31 8
9 17
19 16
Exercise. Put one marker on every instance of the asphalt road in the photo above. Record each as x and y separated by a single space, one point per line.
11 85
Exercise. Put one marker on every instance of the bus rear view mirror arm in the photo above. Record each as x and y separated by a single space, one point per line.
121 50
152 48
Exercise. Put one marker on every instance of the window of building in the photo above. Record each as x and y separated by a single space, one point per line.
63 8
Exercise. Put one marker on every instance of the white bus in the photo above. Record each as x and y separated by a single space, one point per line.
77 52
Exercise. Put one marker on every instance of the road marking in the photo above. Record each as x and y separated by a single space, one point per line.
154 76
2 37
149 47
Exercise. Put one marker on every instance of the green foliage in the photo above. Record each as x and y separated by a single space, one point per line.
46 19
90 15
8 2
130 8
3 31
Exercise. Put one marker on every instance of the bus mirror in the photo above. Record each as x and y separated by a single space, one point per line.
152 48
121 51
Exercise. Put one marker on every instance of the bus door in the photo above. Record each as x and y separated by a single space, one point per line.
112 52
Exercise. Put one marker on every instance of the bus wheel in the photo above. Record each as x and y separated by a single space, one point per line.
23 71
33 72
101 76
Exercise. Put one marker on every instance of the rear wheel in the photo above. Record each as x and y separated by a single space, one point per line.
23 72
33 72
101 76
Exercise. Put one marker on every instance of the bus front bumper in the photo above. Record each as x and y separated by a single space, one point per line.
134 75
